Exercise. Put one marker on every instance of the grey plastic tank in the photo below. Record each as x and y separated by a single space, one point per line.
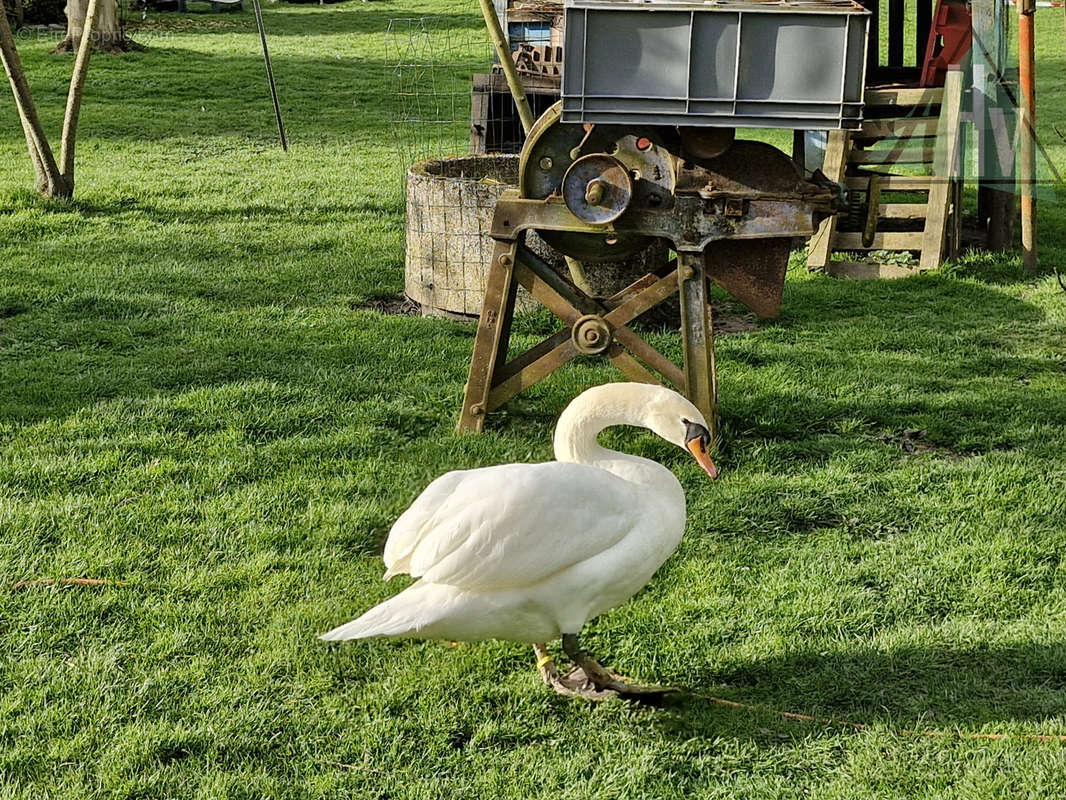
731 63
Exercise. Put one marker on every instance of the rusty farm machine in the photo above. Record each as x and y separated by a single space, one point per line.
640 155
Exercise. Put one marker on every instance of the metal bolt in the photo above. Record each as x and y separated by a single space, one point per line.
545 163
505 260
477 409
687 273
594 192
591 334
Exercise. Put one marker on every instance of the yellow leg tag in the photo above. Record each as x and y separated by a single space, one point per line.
544 659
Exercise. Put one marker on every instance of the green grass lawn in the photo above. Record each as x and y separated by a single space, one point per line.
193 401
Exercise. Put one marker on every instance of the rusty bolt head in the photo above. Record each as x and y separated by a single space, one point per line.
591 334
546 163
594 192
506 260
477 409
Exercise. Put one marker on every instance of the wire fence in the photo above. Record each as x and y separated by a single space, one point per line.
430 63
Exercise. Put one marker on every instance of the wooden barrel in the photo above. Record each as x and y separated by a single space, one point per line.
450 203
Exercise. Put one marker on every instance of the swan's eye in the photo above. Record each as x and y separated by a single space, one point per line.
697 441
693 430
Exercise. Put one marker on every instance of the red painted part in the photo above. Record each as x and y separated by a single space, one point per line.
949 40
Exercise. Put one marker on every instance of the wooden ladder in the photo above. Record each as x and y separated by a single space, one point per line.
917 128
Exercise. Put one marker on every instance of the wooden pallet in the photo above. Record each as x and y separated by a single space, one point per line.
919 128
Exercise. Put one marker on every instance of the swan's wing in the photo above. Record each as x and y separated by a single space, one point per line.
511 525
410 527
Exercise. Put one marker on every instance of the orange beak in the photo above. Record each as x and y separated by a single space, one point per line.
696 447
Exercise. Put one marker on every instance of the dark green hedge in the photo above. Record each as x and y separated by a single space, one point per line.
43 12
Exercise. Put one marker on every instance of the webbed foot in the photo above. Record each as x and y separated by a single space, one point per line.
591 680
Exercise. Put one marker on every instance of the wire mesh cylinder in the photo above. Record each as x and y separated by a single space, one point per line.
450 202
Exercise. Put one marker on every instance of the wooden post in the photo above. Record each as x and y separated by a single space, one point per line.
493 329
873 55
697 338
1027 129
480 105
945 172
992 119
921 30
833 166
895 33
503 53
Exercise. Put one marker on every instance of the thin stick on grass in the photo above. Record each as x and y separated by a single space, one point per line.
858 726
70 582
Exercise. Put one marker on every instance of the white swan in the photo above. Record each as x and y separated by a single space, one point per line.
531 552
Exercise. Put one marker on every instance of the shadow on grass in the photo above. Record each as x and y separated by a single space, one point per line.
951 357
173 326
940 297
308 19
120 208
920 687
335 96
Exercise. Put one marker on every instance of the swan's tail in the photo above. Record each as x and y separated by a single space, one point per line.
403 615
436 611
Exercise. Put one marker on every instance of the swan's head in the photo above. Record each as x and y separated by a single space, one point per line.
677 420
662 410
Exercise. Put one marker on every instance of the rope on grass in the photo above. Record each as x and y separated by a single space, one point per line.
858 726
70 582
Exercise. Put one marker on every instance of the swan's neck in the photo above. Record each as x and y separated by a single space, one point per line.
576 441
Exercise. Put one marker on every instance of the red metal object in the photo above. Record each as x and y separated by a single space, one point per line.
949 40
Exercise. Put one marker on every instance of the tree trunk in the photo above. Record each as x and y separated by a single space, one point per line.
74 94
50 181
107 35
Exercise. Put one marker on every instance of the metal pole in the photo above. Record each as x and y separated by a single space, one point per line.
270 74
1027 129
510 72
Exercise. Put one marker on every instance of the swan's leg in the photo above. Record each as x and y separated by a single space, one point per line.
546 664
573 684
604 679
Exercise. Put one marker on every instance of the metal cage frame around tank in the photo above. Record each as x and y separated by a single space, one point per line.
595 78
